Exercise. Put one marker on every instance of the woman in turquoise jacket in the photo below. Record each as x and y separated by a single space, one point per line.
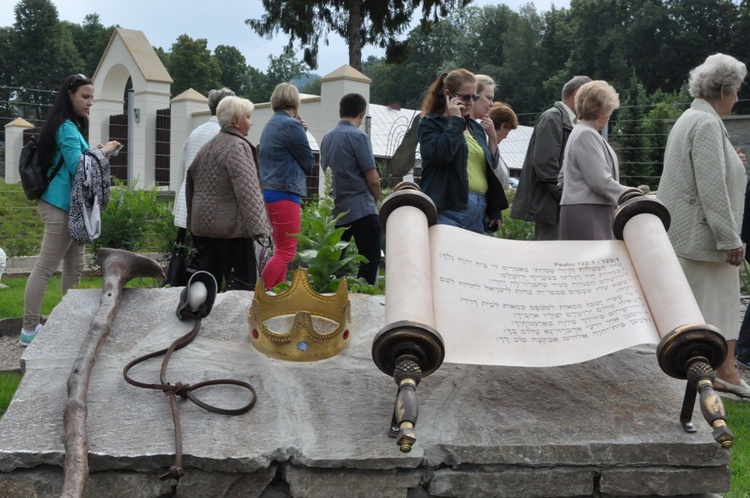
63 138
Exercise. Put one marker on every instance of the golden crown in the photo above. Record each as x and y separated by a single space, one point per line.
301 342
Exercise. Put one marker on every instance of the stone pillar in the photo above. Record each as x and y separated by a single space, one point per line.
13 145
189 110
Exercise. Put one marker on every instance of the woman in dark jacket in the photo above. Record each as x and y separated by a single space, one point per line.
456 161
225 204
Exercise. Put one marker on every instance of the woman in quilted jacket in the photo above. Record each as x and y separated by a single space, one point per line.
225 208
703 185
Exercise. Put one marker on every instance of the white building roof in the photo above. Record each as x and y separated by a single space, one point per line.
388 126
513 148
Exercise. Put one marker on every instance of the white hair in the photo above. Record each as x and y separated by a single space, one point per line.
232 107
718 70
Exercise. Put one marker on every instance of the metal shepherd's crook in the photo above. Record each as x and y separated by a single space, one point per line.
118 267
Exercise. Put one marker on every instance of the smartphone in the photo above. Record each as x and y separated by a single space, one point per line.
116 151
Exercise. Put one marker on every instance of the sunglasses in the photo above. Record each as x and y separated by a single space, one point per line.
466 97
77 77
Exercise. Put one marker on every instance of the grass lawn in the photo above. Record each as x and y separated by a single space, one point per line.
11 304
738 415
8 385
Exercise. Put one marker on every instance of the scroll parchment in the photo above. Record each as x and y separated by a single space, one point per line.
535 304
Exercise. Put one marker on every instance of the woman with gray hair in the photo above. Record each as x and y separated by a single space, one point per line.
703 185
225 209
590 172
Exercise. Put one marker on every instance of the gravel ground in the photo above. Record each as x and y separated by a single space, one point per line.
10 353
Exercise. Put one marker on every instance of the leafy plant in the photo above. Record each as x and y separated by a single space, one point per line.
513 228
128 217
321 250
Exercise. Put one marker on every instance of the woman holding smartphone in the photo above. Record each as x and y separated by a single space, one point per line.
62 140
456 161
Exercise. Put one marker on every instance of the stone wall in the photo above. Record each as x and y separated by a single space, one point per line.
608 427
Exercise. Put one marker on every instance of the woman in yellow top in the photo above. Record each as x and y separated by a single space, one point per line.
456 161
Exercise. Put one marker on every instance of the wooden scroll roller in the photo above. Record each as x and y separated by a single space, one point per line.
408 347
545 304
690 349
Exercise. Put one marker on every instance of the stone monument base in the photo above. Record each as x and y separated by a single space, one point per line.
607 427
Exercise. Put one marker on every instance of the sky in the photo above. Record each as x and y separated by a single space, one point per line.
220 23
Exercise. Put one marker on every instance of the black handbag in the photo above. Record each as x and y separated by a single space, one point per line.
179 269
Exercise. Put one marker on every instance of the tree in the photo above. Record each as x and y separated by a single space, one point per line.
635 168
90 39
359 23
42 55
234 71
192 66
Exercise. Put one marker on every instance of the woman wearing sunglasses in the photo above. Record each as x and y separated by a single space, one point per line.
456 161
62 140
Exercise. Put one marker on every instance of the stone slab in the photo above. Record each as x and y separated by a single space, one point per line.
619 411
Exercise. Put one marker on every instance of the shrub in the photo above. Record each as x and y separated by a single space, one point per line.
130 217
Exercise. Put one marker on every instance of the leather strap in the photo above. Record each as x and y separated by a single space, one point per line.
185 391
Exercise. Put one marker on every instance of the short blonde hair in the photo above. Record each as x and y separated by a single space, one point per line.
595 99
285 96
232 107
717 71
501 115
484 81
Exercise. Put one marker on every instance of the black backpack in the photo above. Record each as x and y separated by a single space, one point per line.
34 175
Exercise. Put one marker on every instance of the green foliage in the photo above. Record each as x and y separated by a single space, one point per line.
321 250
635 169
738 417
21 228
360 23
312 88
191 65
11 305
234 70
129 216
8 385
513 228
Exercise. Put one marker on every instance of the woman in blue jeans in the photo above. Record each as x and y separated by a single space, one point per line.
285 159
456 161
63 139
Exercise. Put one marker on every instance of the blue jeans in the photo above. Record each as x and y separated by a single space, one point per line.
742 349
470 218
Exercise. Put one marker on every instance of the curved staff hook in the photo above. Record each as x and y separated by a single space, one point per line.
118 268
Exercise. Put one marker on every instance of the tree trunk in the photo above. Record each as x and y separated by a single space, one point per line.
355 37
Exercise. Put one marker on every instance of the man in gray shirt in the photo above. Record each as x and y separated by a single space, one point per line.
347 151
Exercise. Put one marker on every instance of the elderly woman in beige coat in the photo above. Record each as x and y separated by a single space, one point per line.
590 172
226 211
703 185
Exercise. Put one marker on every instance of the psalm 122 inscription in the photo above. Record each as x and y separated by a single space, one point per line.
535 304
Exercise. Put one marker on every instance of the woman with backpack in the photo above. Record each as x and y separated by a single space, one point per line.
62 140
